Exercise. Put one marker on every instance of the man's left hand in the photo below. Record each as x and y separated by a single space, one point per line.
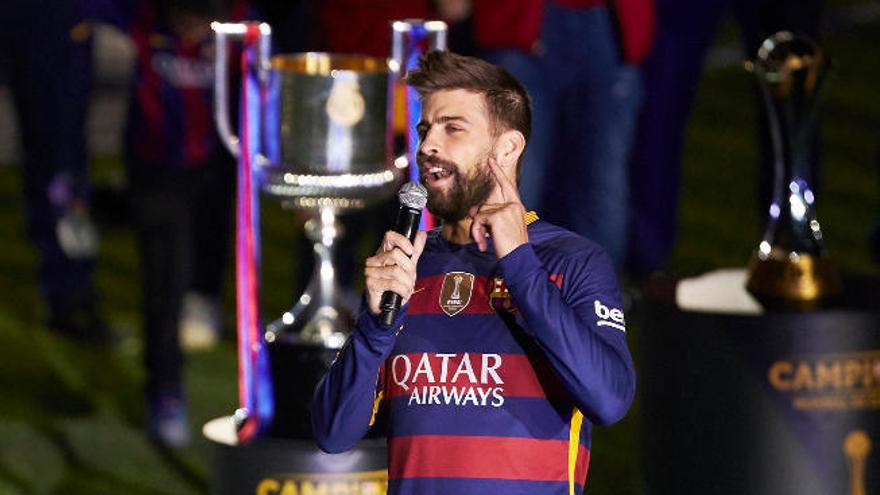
502 216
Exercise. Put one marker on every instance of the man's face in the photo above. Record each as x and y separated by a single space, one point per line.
456 140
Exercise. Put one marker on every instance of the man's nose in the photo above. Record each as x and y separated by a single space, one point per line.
429 145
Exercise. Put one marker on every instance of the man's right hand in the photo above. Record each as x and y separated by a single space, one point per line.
393 268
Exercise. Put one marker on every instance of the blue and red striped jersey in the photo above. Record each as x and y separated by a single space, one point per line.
171 120
495 372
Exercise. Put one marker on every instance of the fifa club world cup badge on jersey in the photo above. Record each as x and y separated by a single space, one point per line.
499 296
456 292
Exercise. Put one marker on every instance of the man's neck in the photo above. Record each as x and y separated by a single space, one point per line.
457 232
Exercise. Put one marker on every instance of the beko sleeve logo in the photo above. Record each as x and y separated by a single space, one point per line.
609 317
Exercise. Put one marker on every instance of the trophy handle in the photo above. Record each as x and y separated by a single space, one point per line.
410 38
436 33
236 31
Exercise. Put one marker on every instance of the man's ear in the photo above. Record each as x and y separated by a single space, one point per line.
511 144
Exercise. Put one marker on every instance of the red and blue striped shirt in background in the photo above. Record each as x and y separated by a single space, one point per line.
171 120
493 376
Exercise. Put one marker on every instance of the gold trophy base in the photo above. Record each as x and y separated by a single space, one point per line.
786 280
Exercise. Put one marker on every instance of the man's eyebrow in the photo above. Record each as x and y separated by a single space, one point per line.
443 119
451 118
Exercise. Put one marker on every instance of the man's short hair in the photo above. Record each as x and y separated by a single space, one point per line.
507 101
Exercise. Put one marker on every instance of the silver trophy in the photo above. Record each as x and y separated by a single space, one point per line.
790 268
325 129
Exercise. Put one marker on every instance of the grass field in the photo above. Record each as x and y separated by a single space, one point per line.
71 416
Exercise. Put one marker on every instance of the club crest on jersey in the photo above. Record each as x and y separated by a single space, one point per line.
456 292
499 296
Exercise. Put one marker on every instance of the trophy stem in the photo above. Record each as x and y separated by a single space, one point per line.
320 316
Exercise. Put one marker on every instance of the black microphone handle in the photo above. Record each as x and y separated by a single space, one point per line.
408 222
407 225
390 306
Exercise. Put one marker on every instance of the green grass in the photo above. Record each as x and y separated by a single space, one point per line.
71 416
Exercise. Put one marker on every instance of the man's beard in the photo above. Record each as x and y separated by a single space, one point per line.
453 204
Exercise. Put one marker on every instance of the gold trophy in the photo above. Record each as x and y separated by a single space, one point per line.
790 269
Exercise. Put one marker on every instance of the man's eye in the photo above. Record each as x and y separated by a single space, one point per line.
452 128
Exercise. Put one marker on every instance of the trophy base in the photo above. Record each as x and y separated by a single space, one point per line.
296 370
785 280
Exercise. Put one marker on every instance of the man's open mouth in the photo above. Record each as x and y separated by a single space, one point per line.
434 169
434 172
437 173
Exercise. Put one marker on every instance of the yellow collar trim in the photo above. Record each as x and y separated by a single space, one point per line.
530 216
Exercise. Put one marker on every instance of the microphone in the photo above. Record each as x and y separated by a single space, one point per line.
413 198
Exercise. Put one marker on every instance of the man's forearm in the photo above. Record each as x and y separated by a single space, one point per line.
342 405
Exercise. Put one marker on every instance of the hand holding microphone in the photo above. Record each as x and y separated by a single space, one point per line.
390 275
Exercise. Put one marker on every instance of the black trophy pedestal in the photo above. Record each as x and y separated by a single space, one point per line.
296 369
276 466
781 403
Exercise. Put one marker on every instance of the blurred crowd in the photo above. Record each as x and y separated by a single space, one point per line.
612 83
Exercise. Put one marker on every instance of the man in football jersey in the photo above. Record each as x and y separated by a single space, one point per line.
511 342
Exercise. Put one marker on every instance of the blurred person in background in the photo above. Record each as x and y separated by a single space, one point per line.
182 182
358 27
46 57
579 60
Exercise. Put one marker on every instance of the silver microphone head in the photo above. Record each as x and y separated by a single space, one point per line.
413 195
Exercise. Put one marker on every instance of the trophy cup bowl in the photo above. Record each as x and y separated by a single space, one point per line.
333 132
790 269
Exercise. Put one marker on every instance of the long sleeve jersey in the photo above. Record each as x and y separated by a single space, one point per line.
493 374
